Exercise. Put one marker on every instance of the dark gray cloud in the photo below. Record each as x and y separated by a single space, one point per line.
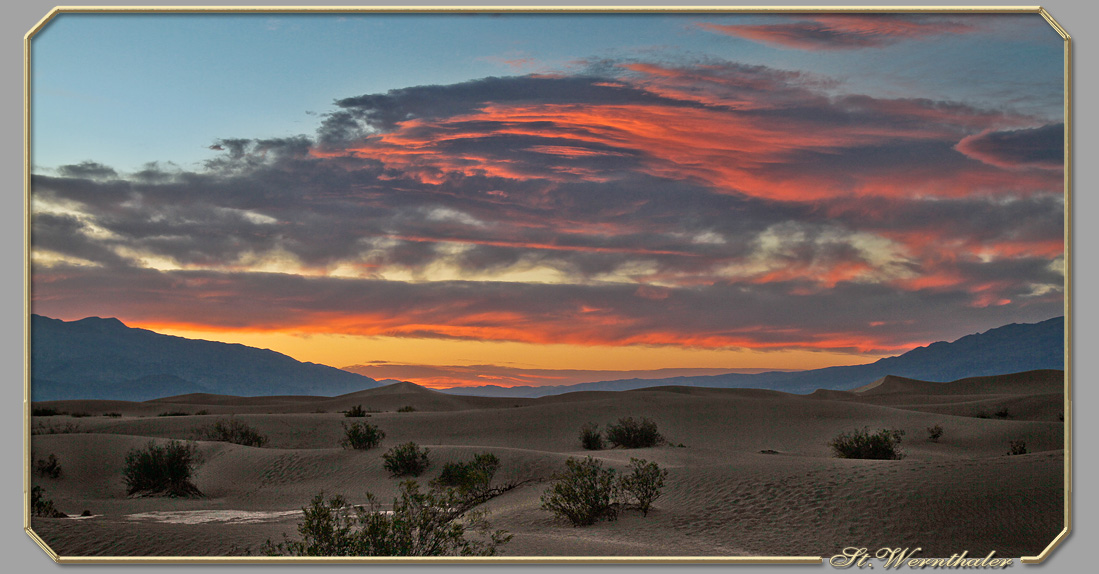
87 169
1042 147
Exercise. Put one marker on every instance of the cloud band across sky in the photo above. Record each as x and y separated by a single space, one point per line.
703 203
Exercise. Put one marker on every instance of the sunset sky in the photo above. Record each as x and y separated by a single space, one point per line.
538 199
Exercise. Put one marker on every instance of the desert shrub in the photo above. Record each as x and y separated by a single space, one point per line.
42 506
473 477
56 428
982 414
643 484
161 470
112 415
48 468
201 412
355 412
590 437
80 415
859 443
361 436
934 433
45 412
1061 416
585 493
1003 413
174 414
230 430
1017 447
407 409
406 460
628 433
432 523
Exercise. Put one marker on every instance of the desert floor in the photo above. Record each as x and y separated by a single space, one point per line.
723 496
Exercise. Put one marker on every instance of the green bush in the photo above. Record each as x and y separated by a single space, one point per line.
432 523
1017 447
355 412
48 468
859 443
361 436
590 437
230 430
628 433
934 433
584 494
644 483
473 477
161 470
406 460
42 506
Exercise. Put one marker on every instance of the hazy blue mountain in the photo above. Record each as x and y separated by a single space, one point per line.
1009 349
98 358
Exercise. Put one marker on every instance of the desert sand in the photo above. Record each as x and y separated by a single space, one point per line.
723 496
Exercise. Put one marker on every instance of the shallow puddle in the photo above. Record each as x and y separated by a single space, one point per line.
208 516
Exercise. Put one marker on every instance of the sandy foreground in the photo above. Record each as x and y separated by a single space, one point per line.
724 497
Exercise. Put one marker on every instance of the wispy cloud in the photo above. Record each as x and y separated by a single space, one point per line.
839 32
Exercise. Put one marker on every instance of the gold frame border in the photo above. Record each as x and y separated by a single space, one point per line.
58 10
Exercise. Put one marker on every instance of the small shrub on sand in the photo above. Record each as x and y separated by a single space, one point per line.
45 412
48 468
1017 447
161 470
590 437
628 433
230 430
406 460
473 478
585 493
355 412
80 415
407 409
934 433
42 506
361 436
56 428
1003 413
859 443
174 414
432 523
643 483
112 415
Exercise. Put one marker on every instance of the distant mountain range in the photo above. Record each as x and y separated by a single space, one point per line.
98 358
1009 349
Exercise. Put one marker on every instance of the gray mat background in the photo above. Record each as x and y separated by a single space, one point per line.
20 554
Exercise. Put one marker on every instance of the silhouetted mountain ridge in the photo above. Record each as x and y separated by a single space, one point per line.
97 358
1012 348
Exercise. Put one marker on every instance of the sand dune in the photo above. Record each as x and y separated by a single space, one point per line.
723 496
